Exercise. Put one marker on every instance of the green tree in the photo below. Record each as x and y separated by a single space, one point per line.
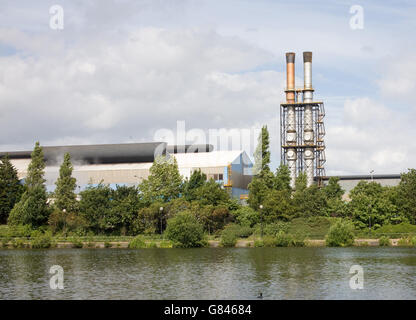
211 193
125 204
407 195
262 153
184 230
282 178
95 208
333 189
333 193
196 180
10 188
370 205
309 201
65 197
277 205
32 208
301 182
164 182
263 179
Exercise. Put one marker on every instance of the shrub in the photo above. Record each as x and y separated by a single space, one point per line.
107 244
185 231
246 216
42 241
258 243
18 243
384 241
151 244
282 239
228 237
407 242
5 241
165 244
137 243
403 227
269 241
341 234
76 242
272 229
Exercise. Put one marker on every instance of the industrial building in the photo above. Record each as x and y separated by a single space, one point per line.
302 145
128 164
302 128
348 182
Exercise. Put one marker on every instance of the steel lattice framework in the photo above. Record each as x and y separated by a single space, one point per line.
318 144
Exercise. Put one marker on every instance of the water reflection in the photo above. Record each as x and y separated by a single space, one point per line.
238 273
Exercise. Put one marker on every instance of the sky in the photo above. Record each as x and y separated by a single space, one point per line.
125 71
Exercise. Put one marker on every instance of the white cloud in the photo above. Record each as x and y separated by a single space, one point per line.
372 137
398 80
113 92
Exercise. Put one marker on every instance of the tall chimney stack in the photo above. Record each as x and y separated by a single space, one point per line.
291 136
308 134
302 128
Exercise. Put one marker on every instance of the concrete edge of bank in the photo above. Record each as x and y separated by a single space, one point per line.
242 243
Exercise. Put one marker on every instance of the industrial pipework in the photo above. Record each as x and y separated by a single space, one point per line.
308 135
291 117
302 128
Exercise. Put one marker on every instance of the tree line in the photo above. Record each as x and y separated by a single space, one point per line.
165 197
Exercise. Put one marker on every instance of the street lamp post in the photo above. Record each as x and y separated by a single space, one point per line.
261 221
369 218
161 220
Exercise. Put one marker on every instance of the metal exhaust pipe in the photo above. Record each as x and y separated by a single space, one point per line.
291 136
308 135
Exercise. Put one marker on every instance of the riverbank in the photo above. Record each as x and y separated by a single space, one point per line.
241 243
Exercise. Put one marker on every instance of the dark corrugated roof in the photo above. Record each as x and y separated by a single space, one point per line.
100 153
190 148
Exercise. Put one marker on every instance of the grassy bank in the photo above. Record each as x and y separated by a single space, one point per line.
298 232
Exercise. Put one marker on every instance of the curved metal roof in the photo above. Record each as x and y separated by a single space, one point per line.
100 153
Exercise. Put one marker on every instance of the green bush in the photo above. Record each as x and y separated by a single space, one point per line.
258 243
151 244
272 229
312 227
228 237
185 231
18 243
269 241
341 234
76 242
165 244
107 244
137 243
403 227
282 239
413 241
403 242
5 241
384 241
42 241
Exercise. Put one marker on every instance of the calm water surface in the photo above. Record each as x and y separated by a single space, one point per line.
237 273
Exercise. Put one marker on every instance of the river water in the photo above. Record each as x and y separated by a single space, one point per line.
209 273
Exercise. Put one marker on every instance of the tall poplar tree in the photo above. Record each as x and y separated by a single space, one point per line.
32 209
10 188
263 178
65 197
